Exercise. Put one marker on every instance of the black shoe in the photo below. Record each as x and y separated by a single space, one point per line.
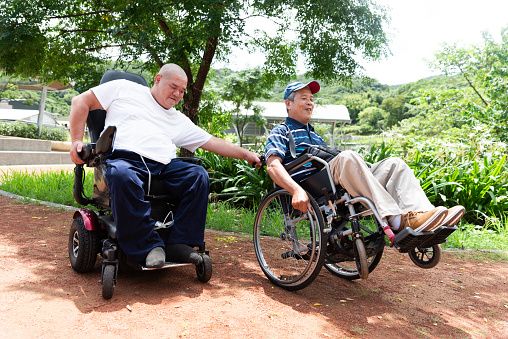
182 253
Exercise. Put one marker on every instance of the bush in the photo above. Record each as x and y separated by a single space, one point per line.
30 131
234 180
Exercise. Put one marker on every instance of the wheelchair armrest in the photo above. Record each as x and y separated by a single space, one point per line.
302 159
105 142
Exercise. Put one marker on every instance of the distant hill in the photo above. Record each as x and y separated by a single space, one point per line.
335 93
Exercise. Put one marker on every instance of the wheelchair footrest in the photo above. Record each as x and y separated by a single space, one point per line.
408 239
440 235
167 264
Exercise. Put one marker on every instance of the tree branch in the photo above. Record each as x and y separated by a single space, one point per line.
107 46
79 14
473 87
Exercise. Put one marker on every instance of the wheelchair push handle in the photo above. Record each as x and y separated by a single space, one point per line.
263 161
86 151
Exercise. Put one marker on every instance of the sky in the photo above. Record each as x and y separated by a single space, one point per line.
417 30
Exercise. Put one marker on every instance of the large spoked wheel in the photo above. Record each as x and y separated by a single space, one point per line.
426 257
341 259
204 270
108 281
289 245
83 246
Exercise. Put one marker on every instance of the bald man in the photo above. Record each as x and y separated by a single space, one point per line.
148 132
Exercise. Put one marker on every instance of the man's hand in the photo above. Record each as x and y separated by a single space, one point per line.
301 200
254 159
76 147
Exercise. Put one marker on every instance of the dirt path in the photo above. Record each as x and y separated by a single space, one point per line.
42 297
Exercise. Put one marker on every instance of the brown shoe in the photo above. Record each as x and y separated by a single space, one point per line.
423 221
454 215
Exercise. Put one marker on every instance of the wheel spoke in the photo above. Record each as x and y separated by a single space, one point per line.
281 238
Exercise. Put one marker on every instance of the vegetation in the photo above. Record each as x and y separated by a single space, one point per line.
75 39
242 89
451 130
55 186
22 130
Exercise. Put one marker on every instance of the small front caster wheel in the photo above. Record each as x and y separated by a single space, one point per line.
108 281
204 270
426 257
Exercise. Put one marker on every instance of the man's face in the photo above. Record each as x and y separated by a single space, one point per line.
169 90
302 106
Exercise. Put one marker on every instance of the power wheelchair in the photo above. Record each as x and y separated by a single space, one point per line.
94 233
342 233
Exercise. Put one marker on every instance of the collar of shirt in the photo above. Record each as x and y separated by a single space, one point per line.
290 122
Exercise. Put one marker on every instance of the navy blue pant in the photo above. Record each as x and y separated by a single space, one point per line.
187 183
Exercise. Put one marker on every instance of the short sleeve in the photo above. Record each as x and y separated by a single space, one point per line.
192 136
108 92
277 143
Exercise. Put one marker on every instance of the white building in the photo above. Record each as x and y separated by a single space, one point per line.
29 116
275 113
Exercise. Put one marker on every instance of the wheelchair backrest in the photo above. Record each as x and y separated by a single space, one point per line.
96 118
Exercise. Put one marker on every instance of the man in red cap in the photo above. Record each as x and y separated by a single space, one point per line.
390 184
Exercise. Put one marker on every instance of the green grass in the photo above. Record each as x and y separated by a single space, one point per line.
477 237
223 216
56 187
52 186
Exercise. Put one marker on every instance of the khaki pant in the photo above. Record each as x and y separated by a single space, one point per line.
390 183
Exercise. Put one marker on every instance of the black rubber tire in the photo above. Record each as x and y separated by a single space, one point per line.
204 270
426 257
83 246
361 259
275 240
108 281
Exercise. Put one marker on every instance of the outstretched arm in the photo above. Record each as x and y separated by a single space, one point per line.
282 178
80 106
227 149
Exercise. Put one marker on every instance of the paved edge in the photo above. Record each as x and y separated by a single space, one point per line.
45 203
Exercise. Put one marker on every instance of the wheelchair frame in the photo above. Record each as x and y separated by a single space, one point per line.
344 231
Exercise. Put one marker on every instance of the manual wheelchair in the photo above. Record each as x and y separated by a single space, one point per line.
342 233
94 233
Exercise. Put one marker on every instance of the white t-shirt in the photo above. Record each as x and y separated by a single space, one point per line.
143 126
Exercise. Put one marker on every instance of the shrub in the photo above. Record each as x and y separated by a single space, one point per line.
22 130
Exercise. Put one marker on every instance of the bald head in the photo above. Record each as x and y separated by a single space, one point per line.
169 85
172 70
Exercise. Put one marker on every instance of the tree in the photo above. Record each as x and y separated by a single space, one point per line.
242 89
484 66
373 117
74 39
395 109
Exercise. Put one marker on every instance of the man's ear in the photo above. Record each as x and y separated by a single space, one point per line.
157 79
287 102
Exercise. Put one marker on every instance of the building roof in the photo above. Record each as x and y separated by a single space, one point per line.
26 115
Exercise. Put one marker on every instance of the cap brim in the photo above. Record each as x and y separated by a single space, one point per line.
313 86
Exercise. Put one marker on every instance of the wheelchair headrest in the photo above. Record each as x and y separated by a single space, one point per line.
115 75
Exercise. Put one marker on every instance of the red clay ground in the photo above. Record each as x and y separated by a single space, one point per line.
42 297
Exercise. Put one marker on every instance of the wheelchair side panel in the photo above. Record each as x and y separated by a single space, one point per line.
100 187
92 223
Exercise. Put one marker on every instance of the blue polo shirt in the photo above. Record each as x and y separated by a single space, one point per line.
304 136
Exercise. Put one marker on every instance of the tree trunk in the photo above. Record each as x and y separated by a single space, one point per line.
192 96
